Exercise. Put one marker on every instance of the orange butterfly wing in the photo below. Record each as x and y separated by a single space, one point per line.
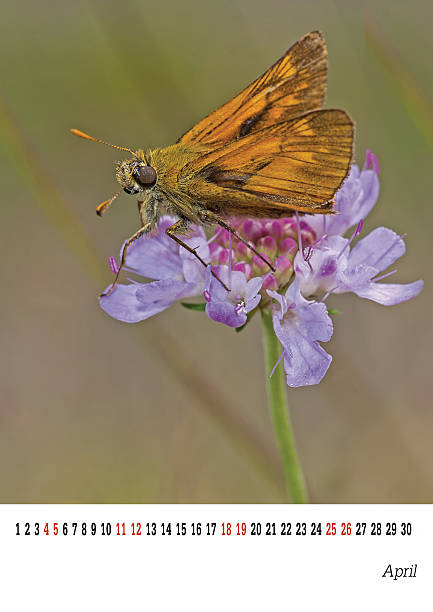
293 165
294 85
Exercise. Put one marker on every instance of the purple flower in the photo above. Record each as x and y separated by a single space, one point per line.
333 268
299 325
177 273
353 202
311 257
371 255
230 307
318 272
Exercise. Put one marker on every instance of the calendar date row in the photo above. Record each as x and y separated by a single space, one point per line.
212 529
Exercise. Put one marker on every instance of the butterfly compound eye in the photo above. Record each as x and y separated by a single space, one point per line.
145 176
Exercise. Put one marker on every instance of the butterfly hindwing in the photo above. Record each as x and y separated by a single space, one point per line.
294 85
297 164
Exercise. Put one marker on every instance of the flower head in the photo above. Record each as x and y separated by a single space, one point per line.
299 325
230 307
312 259
334 268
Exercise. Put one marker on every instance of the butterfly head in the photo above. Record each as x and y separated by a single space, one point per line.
134 175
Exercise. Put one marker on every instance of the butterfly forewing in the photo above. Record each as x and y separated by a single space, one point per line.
297 164
294 85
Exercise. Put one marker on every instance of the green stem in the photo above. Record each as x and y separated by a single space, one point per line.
277 398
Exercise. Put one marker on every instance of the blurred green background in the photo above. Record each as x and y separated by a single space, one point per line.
174 409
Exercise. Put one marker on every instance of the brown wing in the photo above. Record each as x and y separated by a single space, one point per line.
294 165
294 85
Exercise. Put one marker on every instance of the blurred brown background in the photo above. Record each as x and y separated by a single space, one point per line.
174 409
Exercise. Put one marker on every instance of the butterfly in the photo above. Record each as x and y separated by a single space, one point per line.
268 152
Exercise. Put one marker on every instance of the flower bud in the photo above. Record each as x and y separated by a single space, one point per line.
270 282
290 229
267 246
274 227
259 266
251 229
288 248
307 233
245 268
243 252
284 268
222 237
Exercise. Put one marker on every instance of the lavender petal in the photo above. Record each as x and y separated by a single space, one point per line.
305 361
380 248
389 294
224 312
165 292
122 304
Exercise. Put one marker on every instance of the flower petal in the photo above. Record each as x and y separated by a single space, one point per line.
390 294
237 282
354 279
224 312
310 317
281 300
380 248
252 302
123 305
353 201
319 273
155 256
356 198
230 307
305 361
370 193
193 270
216 291
253 287
165 292
303 324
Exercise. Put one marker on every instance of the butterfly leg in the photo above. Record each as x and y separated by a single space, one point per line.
182 226
143 230
213 218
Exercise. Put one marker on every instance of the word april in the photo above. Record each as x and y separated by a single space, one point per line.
400 572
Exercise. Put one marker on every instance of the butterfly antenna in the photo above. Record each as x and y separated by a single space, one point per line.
87 137
105 205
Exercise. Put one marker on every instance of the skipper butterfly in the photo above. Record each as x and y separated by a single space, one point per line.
270 151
